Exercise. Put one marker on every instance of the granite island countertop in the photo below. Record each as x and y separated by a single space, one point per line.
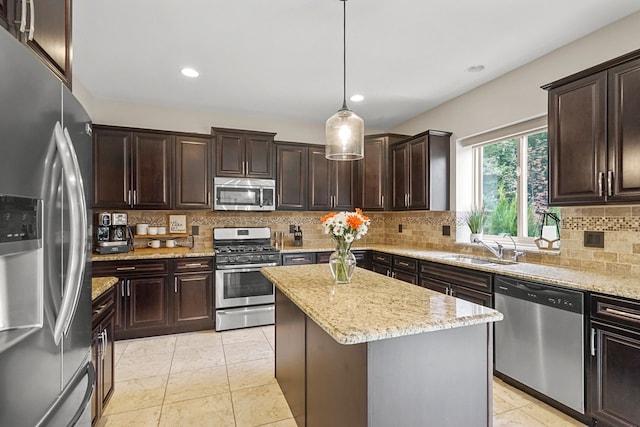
100 285
373 307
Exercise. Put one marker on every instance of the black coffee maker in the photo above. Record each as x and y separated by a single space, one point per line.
112 233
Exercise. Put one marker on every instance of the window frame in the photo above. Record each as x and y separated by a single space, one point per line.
521 188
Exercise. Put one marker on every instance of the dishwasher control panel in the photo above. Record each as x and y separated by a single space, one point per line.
541 293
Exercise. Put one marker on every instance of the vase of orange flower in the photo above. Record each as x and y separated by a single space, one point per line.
344 228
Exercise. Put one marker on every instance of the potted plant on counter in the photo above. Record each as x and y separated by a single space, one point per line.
476 219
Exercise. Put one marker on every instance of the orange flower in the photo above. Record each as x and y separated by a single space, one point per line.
359 212
328 216
354 221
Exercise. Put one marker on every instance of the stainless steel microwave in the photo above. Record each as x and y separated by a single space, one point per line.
244 194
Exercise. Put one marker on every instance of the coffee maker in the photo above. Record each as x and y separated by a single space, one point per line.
112 234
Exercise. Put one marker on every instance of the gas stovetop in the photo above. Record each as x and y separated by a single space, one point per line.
242 246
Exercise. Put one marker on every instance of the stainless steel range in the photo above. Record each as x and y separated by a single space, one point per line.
244 297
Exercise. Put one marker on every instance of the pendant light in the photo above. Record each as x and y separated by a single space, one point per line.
345 129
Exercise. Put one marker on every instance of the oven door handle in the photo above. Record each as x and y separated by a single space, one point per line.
244 268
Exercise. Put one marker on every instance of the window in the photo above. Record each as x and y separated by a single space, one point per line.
512 184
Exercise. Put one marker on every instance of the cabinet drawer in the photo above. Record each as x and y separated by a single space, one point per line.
191 264
361 258
458 276
103 305
406 277
616 310
405 264
381 258
299 258
126 268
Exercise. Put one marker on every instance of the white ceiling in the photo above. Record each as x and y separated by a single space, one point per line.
283 58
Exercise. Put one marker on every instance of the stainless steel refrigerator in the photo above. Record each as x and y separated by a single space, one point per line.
46 373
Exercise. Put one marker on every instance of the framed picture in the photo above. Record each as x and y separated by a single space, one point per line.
177 223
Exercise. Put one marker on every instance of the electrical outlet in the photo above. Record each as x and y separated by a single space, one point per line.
292 228
446 230
195 230
399 228
594 239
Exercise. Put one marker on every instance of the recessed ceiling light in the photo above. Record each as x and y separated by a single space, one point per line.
190 72
475 68
356 98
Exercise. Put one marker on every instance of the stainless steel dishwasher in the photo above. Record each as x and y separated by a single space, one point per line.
540 342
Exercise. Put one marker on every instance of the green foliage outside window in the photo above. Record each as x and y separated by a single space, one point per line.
500 179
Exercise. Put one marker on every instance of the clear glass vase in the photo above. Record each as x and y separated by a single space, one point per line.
342 263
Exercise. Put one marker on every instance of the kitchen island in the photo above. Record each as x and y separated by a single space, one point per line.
379 352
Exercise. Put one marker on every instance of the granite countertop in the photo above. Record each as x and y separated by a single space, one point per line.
615 284
100 285
148 253
373 307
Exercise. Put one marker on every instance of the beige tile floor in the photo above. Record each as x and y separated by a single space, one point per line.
227 379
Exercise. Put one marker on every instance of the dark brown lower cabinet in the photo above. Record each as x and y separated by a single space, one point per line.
102 338
464 283
192 294
156 297
615 362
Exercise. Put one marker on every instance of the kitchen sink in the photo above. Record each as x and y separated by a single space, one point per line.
470 259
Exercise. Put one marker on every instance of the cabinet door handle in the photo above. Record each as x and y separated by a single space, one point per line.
600 179
122 288
104 343
135 197
128 288
404 264
175 285
209 198
621 313
32 21
125 268
193 265
610 183
593 341
382 201
129 197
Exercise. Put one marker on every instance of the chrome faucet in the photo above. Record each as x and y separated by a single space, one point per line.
498 253
516 252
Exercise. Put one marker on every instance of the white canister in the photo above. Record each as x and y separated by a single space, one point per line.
171 243
162 230
142 228
152 230
153 243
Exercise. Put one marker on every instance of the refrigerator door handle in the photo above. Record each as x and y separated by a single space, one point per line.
76 257
32 21
88 371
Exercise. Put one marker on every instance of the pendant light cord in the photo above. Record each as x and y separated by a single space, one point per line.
344 55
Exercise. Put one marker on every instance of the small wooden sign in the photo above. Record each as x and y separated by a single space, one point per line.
177 223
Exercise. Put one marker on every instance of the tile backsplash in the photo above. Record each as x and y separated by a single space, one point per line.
424 230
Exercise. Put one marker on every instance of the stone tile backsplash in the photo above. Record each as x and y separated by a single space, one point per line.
423 229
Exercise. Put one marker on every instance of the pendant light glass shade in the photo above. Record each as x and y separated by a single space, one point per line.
344 131
344 136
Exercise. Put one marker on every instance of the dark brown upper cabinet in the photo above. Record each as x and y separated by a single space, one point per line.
374 180
243 154
420 172
594 134
332 184
50 38
291 176
132 169
193 172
